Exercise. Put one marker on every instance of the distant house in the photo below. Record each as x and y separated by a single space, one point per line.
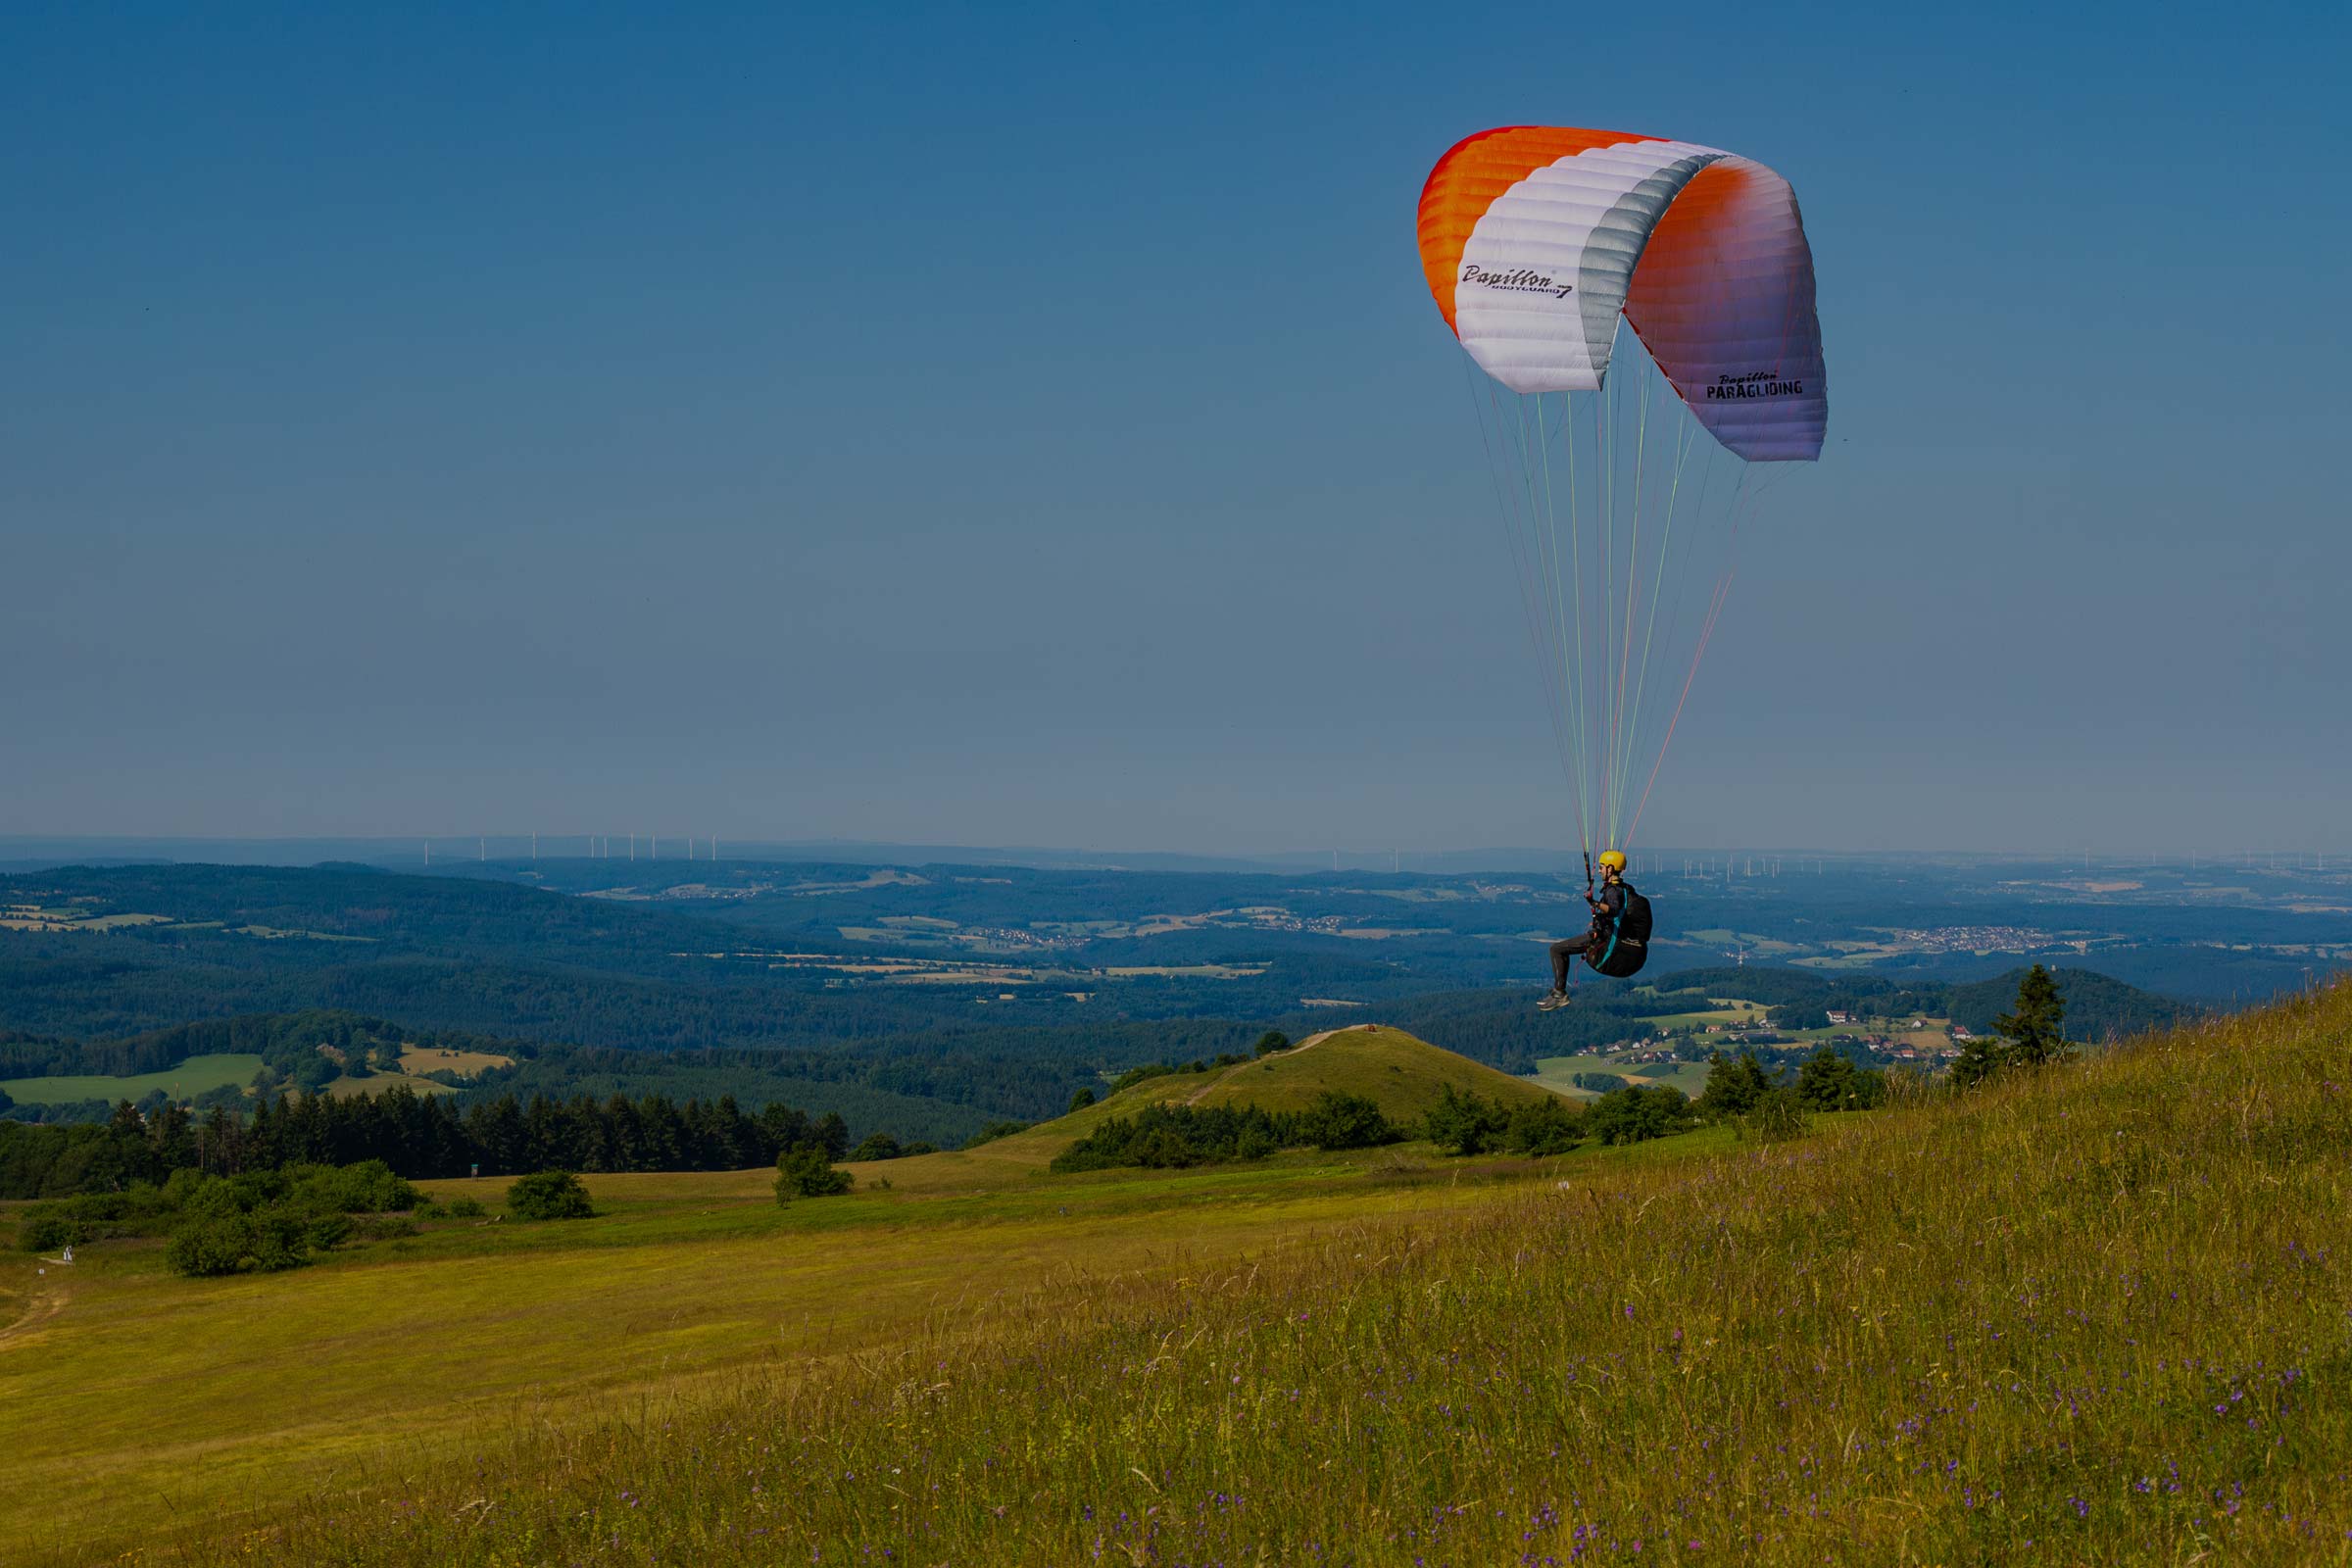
1841 1017
1962 1032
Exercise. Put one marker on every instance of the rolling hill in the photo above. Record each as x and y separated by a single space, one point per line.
1390 1068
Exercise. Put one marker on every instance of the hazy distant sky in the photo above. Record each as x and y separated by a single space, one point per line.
978 426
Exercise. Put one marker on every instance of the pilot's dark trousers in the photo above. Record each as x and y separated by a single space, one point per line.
1566 953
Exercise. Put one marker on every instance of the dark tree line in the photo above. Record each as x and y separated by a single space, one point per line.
416 1136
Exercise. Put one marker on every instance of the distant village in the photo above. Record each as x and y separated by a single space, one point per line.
1882 1041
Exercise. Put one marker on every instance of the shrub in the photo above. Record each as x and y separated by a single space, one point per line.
1338 1120
368 1188
139 1210
1600 1083
805 1172
46 1233
1830 1082
264 1240
877 1146
1270 1042
1546 1126
1634 1115
1464 1123
328 1231
1779 1117
463 1208
549 1195
1175 1137
204 1248
1082 1099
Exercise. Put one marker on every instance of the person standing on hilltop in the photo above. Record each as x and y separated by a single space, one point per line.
1612 940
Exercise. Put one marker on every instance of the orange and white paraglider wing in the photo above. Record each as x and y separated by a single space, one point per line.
1723 298
1535 239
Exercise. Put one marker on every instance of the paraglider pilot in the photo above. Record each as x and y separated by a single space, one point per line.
1608 906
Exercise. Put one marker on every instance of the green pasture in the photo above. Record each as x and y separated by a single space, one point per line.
2092 1315
1558 1074
189 1079
123 1388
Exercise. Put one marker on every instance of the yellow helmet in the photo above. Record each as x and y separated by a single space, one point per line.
1613 859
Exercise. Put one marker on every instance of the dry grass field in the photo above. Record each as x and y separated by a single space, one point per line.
2095 1315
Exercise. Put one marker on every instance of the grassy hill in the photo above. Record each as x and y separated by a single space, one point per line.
1399 1074
1387 1067
2093 1316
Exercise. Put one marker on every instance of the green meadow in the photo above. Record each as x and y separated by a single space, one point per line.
195 1076
2095 1315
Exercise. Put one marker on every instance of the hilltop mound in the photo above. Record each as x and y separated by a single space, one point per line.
1400 1074
1396 1071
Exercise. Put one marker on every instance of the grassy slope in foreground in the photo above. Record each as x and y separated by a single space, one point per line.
124 1389
2096 1316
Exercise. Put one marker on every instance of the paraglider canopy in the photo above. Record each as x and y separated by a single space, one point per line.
1537 238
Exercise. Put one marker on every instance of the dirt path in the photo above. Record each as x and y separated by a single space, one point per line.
1309 1043
46 1302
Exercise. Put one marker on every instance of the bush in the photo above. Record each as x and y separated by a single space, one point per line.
1270 1042
549 1195
805 1172
205 1247
1338 1120
1600 1083
139 1210
261 1241
1176 1137
877 1146
1635 1115
1082 1099
1464 1123
1779 1117
1546 1126
463 1208
368 1188
328 1231
46 1233
1830 1082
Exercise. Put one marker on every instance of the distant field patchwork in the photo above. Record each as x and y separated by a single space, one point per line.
1559 1073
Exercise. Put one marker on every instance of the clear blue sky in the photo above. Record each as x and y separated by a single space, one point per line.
963 425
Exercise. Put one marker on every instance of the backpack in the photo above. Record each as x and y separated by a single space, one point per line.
1629 944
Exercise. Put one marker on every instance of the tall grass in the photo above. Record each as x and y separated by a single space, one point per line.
2097 1315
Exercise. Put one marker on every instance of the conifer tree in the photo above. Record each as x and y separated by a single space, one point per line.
2034 1032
